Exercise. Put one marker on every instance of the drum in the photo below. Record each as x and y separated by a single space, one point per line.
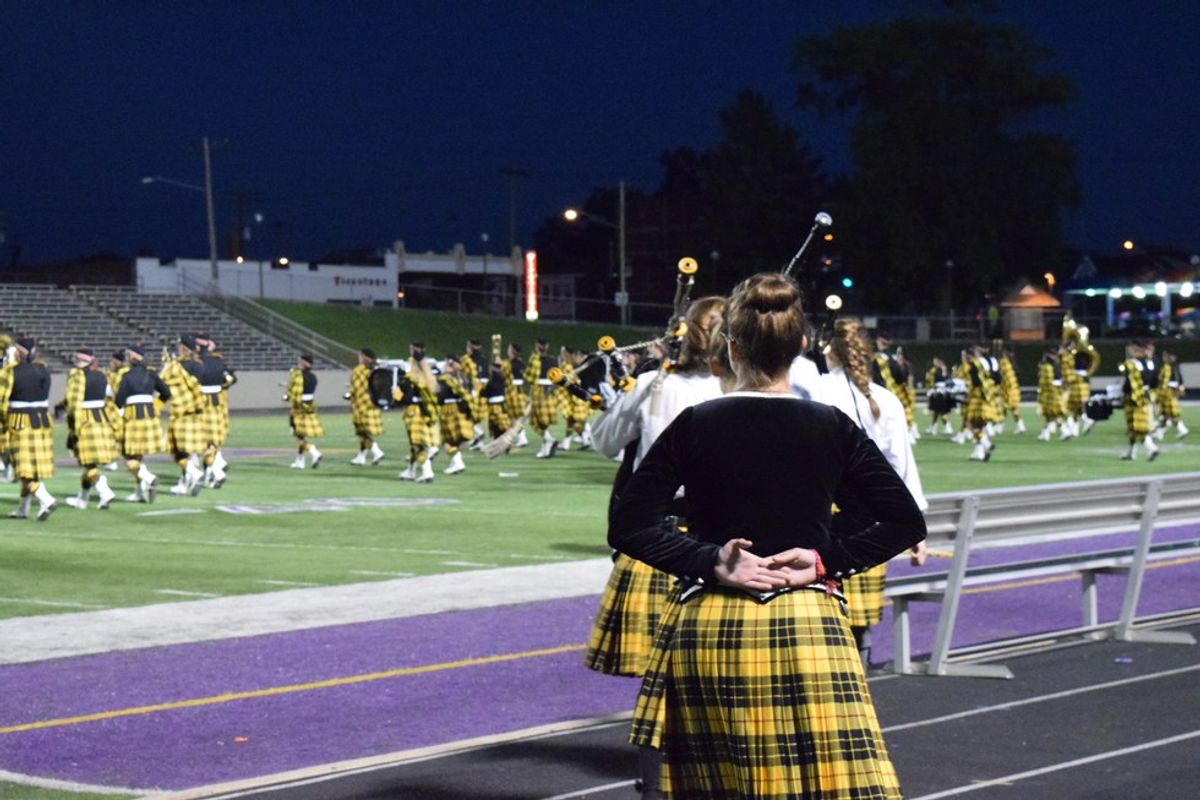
941 401
380 384
1099 406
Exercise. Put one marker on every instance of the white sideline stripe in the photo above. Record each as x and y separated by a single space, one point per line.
69 786
584 792
381 574
1078 762
35 638
172 512
289 583
58 603
467 564
184 593
340 769
1041 698
232 543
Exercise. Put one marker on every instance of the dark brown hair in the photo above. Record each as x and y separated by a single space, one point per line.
766 322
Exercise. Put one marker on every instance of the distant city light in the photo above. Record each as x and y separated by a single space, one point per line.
1139 292
571 214
848 282
1115 294
1186 289
1127 244
829 237
283 261
1090 292
1160 289
241 260
1049 276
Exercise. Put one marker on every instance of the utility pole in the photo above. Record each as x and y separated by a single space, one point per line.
513 174
212 222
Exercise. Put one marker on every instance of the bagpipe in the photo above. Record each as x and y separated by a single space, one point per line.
818 343
388 384
603 374
1100 405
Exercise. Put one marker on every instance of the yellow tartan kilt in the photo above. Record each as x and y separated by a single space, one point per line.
32 448
115 421
498 419
96 442
623 633
514 402
456 426
221 423
1168 403
142 436
306 424
1137 418
864 596
976 410
1051 405
1077 396
543 407
368 423
420 433
188 433
761 700
480 404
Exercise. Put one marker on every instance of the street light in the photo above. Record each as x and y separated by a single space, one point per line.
207 188
573 215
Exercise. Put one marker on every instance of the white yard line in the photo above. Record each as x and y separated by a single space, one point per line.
184 593
289 583
476 564
376 574
25 639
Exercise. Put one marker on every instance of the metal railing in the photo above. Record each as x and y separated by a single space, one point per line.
273 324
503 303
964 521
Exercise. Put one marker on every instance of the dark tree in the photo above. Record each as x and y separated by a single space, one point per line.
948 167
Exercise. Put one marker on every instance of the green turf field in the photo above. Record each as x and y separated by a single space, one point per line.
511 511
20 791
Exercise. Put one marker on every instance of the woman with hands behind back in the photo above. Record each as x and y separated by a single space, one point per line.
755 689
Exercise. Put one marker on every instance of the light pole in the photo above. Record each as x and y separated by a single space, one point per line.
573 214
207 189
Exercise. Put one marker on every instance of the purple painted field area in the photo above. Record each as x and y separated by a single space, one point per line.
248 737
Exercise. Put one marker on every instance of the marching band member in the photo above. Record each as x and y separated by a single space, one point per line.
515 399
1051 404
634 596
892 372
980 406
189 424
1170 389
142 432
938 373
31 436
90 435
1150 372
116 370
1135 398
1010 388
880 414
576 411
543 404
215 380
472 363
8 360
765 463
494 392
303 419
457 410
1076 377
416 395
364 414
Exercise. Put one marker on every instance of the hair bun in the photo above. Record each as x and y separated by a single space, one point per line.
771 293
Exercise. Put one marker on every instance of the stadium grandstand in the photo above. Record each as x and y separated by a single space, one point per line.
110 318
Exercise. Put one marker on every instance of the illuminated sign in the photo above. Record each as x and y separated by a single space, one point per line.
531 286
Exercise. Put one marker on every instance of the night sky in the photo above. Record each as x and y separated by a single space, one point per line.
360 123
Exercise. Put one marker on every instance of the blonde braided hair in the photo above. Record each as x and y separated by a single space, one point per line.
850 348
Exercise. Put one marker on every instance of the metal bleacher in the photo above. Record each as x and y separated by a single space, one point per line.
108 318
61 321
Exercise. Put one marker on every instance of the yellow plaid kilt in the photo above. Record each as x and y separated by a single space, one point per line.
456 426
480 404
761 700
305 423
188 433
221 423
420 434
498 419
543 407
1137 418
32 448
115 421
623 633
976 410
576 412
213 419
514 402
143 432
864 596
1168 403
368 423
1051 405
96 443
1078 393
